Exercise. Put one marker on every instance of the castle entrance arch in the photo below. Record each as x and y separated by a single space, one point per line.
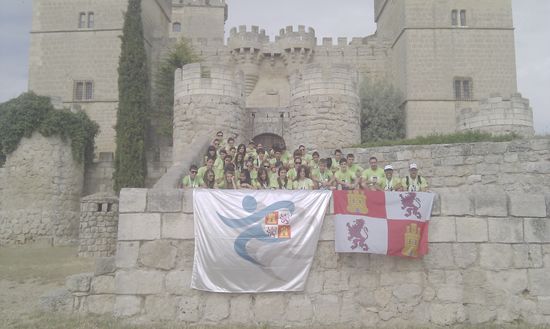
269 140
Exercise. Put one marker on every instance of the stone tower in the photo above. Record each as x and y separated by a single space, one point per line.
200 21
447 55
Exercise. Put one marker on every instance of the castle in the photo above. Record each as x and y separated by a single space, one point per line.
453 61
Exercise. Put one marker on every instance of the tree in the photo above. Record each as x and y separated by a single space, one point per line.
382 118
133 103
178 56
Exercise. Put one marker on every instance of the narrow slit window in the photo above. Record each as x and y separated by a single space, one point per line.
176 27
90 20
89 90
463 18
454 18
81 20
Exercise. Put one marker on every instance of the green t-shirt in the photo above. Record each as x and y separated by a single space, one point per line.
192 183
373 176
292 174
392 185
322 177
356 169
201 171
257 185
346 177
305 184
417 185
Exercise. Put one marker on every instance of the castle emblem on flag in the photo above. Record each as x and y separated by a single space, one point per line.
357 202
412 240
358 233
411 204
277 224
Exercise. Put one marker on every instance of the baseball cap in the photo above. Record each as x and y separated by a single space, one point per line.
413 166
388 167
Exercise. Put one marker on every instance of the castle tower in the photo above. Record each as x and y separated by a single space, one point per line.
324 106
246 50
297 47
207 99
201 21
447 55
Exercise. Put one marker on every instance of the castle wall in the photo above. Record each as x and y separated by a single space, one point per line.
40 189
201 21
488 261
207 99
324 107
97 236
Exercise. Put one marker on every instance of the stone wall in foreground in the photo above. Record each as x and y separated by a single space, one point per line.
489 263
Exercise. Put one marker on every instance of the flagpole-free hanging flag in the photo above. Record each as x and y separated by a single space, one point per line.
388 223
255 241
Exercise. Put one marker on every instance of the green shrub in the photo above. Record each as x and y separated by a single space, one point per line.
22 116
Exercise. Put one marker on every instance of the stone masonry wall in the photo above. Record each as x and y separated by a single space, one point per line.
98 225
489 258
40 191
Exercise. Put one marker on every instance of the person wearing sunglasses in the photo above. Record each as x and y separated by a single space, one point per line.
293 172
192 180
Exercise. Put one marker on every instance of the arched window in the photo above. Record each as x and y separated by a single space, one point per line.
90 19
176 27
81 20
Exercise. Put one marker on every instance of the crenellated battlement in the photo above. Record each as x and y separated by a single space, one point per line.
201 79
244 38
210 3
289 38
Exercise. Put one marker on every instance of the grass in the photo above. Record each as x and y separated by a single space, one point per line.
462 137
46 265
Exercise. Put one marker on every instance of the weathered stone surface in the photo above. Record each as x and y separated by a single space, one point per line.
143 226
490 201
100 304
326 309
407 293
58 300
178 226
327 231
159 200
103 285
300 309
105 265
504 230
179 282
126 306
187 206
495 256
527 205
538 282
447 314
160 254
215 307
537 229
456 202
527 256
440 256
187 308
471 230
241 309
127 254
544 305
270 308
465 254
139 282
511 281
450 293
442 229
79 282
160 307
480 314
132 200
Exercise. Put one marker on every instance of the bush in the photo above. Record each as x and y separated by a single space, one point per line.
382 118
22 116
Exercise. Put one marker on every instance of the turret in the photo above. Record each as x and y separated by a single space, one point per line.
297 47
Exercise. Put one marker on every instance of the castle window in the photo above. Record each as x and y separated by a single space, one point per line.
463 18
463 89
454 17
2 160
81 20
90 20
83 90
176 27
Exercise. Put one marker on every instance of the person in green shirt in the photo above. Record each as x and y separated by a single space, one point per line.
286 158
390 181
209 165
306 157
192 180
250 167
282 181
229 182
219 163
372 175
277 155
244 181
211 152
274 172
323 177
336 160
345 178
261 157
230 144
314 163
303 182
209 179
356 169
262 182
293 172
413 182
251 151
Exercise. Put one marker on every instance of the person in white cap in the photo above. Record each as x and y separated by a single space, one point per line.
390 182
413 182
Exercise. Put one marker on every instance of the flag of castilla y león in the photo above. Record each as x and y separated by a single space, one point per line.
387 223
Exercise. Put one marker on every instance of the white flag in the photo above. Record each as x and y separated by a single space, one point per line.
255 241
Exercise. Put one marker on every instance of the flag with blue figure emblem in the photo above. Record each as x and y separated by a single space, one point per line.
250 241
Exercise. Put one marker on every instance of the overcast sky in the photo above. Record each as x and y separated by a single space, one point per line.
345 18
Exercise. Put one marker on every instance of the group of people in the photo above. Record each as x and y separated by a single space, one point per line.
227 166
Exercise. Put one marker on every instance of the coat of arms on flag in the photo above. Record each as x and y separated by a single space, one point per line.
277 224
389 223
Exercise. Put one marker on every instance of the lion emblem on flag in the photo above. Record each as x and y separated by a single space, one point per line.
411 204
358 233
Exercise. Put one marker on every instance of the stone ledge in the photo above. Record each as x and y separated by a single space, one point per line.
134 227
